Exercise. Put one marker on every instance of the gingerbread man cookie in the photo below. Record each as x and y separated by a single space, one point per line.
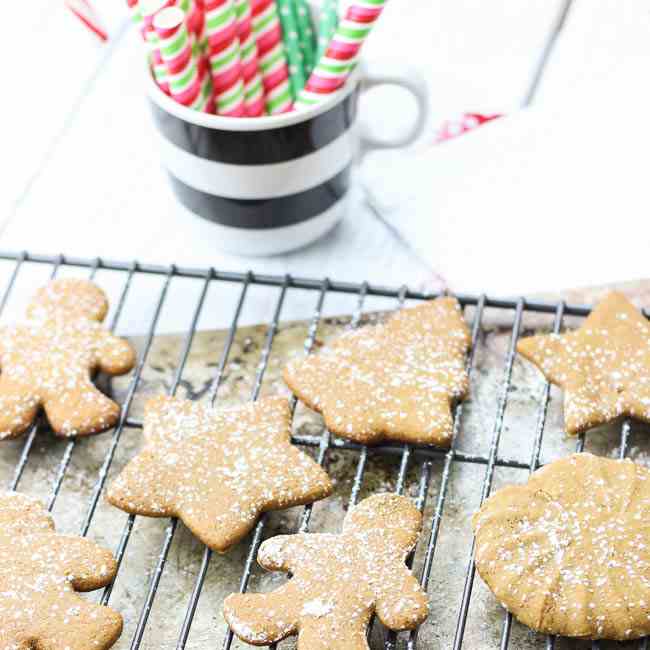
393 381
568 553
217 470
603 367
338 581
40 571
47 361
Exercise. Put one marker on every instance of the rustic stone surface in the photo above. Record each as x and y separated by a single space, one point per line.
485 616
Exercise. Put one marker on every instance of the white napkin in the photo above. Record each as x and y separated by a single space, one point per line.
552 197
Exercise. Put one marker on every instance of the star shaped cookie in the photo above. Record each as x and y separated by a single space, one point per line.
48 361
392 381
338 581
603 367
40 573
217 469
568 553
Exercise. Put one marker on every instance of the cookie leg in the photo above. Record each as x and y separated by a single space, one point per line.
261 619
81 411
18 408
404 606
332 631
79 625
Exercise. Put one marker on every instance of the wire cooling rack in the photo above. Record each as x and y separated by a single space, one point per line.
416 469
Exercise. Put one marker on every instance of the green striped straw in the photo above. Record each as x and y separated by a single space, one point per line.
291 34
329 21
306 34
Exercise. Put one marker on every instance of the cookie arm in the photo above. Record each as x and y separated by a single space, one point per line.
279 553
86 565
115 355
402 604
261 619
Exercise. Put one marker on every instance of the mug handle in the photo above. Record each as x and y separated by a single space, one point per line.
379 73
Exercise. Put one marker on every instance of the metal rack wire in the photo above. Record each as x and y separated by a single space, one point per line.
424 459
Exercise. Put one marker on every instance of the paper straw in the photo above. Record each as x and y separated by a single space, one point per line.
254 99
86 13
225 64
136 16
185 82
291 37
272 57
194 13
342 53
147 10
306 35
327 24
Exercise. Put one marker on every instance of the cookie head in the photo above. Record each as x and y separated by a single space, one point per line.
71 297
386 514
567 553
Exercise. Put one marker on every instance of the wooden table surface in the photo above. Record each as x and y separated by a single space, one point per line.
84 178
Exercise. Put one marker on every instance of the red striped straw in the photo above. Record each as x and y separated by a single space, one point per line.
341 55
272 57
85 12
254 98
148 9
225 64
185 81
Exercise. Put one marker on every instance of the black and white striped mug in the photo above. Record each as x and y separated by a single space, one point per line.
276 183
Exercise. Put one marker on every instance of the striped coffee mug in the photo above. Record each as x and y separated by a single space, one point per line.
276 183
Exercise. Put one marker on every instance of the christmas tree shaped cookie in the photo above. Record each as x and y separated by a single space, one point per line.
393 381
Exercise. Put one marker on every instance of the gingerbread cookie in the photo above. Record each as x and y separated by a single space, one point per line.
603 367
568 553
217 470
47 361
338 581
40 571
393 381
